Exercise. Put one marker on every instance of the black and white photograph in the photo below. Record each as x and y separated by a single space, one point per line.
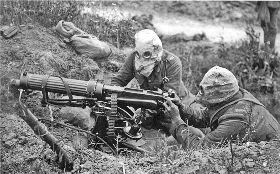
139 87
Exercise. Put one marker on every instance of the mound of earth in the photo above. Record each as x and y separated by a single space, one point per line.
38 50
23 152
35 49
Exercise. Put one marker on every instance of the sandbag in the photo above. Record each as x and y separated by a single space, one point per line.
91 46
76 116
67 29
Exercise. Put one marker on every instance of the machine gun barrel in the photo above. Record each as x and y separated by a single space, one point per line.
91 89
53 84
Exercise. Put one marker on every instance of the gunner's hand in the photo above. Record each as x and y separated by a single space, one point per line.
175 98
171 110
171 116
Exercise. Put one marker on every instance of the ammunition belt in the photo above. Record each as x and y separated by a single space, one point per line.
112 116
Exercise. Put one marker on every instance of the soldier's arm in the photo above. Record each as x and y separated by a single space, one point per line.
230 125
189 108
184 134
188 136
125 74
195 113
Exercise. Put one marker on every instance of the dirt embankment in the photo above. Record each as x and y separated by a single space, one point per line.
35 49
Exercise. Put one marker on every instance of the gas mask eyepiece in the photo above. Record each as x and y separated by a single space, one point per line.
147 54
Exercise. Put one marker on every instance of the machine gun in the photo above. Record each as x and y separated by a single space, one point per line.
115 122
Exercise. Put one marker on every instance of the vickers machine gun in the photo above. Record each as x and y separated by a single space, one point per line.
115 122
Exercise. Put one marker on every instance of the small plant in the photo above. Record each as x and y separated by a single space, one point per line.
46 13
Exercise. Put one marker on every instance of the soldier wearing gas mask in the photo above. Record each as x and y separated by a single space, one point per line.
155 69
233 114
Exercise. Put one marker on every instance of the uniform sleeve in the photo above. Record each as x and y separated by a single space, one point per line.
125 74
186 137
195 113
232 123
229 125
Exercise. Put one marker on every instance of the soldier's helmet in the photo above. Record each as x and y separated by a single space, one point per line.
217 85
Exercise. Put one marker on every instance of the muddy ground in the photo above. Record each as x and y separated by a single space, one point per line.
38 49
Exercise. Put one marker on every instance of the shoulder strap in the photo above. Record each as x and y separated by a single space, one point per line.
233 102
165 79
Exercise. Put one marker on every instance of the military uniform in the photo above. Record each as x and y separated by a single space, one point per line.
170 67
243 117
154 68
233 114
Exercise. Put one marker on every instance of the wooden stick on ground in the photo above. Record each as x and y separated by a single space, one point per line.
41 130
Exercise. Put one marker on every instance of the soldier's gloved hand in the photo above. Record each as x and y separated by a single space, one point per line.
194 109
78 117
176 100
159 90
171 110
171 118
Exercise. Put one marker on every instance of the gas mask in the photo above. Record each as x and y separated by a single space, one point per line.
200 96
218 85
149 51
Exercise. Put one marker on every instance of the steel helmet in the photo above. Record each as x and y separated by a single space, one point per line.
218 85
